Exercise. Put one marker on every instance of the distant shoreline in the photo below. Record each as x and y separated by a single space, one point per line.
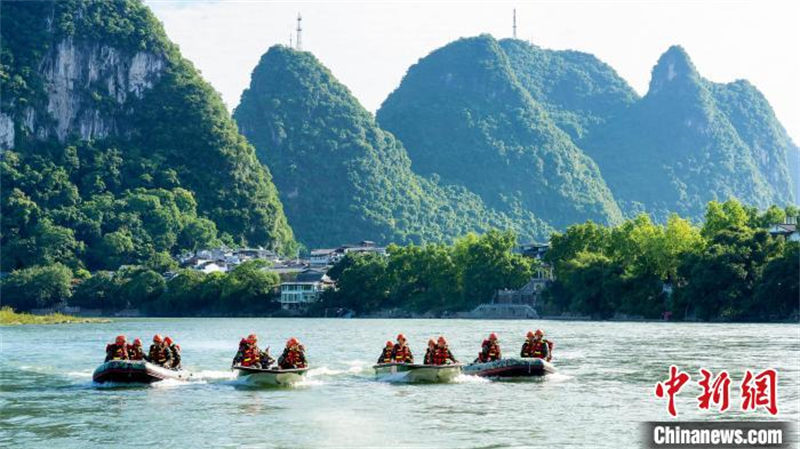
104 319
8 317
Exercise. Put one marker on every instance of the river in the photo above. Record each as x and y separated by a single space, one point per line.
602 391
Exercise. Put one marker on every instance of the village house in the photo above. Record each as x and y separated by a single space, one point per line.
330 256
224 259
323 257
305 289
788 230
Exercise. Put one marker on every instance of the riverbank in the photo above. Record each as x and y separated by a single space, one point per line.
8 317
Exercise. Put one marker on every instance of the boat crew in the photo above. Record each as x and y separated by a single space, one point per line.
401 353
117 350
294 355
252 355
536 346
386 354
237 359
442 354
135 351
175 353
428 360
159 352
490 350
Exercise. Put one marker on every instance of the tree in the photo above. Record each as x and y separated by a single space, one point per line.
37 287
97 292
247 289
138 286
198 233
363 286
777 294
487 264
718 217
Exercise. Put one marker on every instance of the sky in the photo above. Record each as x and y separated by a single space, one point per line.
370 45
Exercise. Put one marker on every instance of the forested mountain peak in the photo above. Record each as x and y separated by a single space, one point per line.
110 139
340 176
673 69
464 115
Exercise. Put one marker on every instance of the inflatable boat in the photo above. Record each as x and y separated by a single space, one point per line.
261 376
510 368
136 371
417 373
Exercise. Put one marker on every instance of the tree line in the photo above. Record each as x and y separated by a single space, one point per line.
729 268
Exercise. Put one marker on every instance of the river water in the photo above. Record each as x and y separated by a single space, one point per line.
602 391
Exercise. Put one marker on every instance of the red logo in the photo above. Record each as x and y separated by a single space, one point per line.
759 390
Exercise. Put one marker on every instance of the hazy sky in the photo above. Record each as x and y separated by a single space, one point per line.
369 45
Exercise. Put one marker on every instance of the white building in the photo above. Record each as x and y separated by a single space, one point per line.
788 230
304 290
323 257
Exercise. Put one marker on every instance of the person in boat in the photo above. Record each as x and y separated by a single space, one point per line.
135 351
237 359
490 350
401 353
428 359
294 355
117 350
536 346
252 356
442 354
174 351
159 353
386 354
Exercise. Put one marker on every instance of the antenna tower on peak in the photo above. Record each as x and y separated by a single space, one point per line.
515 23
299 44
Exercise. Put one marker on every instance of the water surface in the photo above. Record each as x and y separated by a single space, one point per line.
602 391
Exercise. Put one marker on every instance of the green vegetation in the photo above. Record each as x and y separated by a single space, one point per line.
8 317
430 278
246 290
172 173
690 141
521 125
578 91
463 115
729 269
341 177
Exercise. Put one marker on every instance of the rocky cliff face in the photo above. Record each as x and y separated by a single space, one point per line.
80 80
98 105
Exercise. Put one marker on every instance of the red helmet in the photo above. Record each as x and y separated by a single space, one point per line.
492 336
401 337
157 338
292 342
121 339
137 342
442 340
530 334
252 338
539 332
168 340
389 344
242 342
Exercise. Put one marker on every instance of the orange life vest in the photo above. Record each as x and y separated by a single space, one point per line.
158 354
118 352
489 351
135 352
402 355
441 355
251 356
294 359
386 356
536 349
